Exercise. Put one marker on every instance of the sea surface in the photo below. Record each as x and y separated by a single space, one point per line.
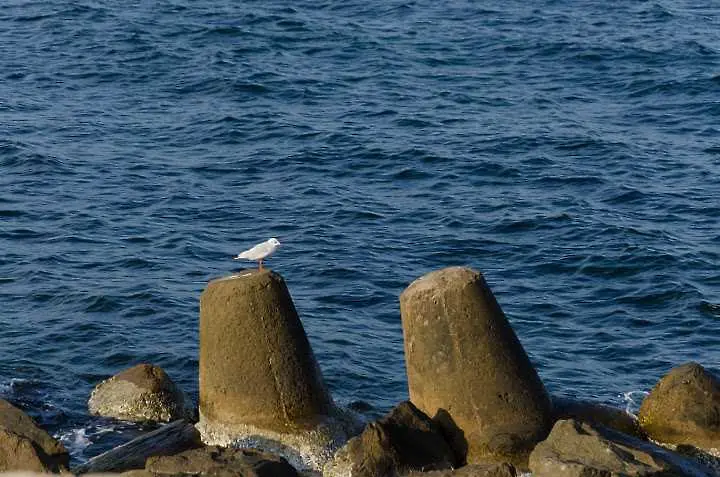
568 150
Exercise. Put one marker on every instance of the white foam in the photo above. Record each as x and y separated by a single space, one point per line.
633 400
307 449
75 441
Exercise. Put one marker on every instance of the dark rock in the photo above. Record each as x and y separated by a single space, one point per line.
360 406
403 440
578 449
467 369
472 470
701 456
220 462
24 446
141 393
169 439
596 413
684 408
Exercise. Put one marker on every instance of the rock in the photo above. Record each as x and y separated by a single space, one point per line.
578 449
472 470
169 439
260 385
133 473
701 456
467 369
141 393
26 447
220 462
684 408
596 413
403 440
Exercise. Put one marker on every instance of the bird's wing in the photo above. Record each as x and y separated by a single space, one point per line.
257 252
249 253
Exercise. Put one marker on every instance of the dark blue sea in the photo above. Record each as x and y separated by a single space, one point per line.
569 150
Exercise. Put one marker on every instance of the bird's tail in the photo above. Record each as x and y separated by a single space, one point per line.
240 256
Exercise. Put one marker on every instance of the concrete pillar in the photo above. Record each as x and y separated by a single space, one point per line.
468 370
258 374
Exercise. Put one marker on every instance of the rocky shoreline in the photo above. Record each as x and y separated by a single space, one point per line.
477 406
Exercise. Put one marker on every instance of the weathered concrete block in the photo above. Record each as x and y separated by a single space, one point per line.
467 369
260 384
684 408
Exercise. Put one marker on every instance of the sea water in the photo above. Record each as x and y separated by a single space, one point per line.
569 150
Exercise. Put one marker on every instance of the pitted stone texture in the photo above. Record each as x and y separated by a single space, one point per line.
467 369
472 470
26 447
260 384
221 462
141 393
256 364
578 449
403 440
308 450
684 408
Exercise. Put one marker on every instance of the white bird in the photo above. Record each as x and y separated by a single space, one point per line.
260 251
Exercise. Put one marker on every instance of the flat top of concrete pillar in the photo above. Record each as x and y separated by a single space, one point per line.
442 278
245 274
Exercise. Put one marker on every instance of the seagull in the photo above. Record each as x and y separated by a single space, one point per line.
260 251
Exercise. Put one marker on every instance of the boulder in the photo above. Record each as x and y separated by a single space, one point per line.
467 369
684 408
596 413
260 385
403 440
214 460
579 449
24 446
217 462
699 455
141 393
472 470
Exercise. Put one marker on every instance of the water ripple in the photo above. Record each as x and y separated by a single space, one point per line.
567 151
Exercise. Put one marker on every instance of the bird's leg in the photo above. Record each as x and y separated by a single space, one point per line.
260 265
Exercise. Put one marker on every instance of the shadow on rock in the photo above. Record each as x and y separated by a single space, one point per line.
453 435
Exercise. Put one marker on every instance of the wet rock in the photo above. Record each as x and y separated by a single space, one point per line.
472 470
701 456
141 393
596 413
578 449
260 385
219 462
684 408
467 369
24 446
405 439
169 439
